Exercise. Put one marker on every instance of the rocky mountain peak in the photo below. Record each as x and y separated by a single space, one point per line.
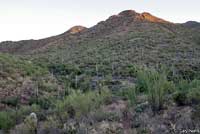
76 29
147 16
128 13
133 15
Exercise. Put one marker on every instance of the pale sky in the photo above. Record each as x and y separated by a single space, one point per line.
35 19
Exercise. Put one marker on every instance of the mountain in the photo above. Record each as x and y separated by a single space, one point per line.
26 46
192 24
129 71
76 29
114 22
126 38
133 37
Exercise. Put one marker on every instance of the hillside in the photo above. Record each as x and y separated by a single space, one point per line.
128 37
128 74
21 81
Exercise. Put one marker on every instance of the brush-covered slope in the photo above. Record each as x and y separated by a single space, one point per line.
130 38
21 81
126 38
27 46
101 80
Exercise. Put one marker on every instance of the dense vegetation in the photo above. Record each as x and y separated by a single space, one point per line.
63 93
121 76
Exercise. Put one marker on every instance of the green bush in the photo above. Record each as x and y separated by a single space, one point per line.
6 120
156 85
82 83
64 69
182 85
194 95
78 103
12 101
48 86
43 102
10 118
128 70
195 83
23 111
180 98
142 85
129 94
187 92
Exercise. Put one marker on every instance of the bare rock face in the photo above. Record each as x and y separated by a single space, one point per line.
145 16
151 18
76 29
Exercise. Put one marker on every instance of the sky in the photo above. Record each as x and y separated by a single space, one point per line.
35 19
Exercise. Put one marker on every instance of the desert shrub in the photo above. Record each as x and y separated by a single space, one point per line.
85 84
82 82
23 111
48 86
129 94
29 125
11 117
180 98
64 69
44 102
103 70
187 92
189 73
51 124
183 85
11 65
12 101
78 103
142 85
156 85
194 95
100 115
6 120
156 91
66 75
129 70
195 83
66 80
